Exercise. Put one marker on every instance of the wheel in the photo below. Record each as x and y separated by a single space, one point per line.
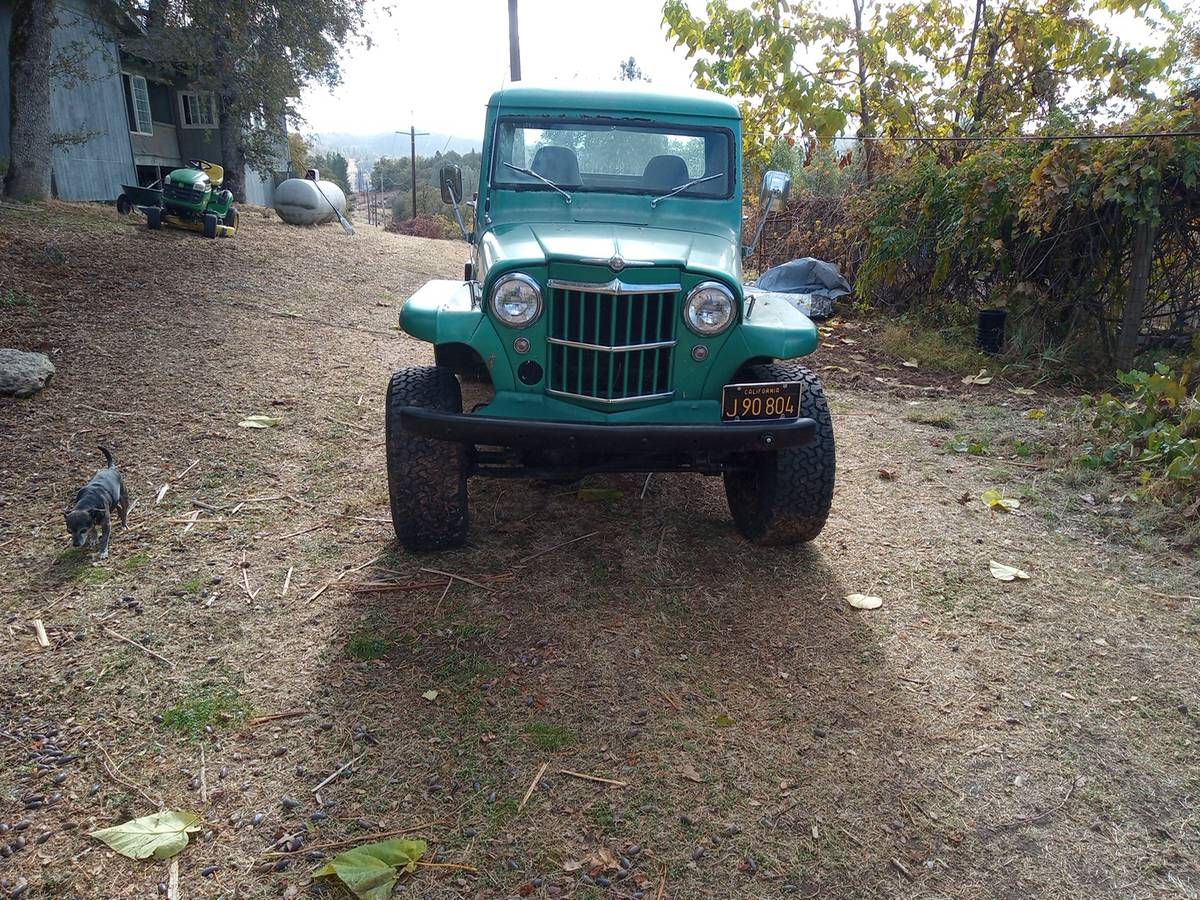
427 479
124 205
210 225
231 218
783 496
154 217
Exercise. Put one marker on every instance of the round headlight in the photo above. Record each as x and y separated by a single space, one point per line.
516 300
709 309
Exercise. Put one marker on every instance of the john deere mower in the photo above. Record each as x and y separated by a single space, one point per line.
192 198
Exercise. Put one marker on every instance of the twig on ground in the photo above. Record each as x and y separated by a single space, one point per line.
646 485
284 537
556 547
53 603
379 587
442 599
286 714
203 777
338 771
327 585
358 839
595 778
662 882
287 581
110 769
533 785
903 870
463 578
1026 820
347 424
671 700
142 647
40 630
191 518
855 841
173 880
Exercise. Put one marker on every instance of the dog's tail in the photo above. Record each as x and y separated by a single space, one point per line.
108 456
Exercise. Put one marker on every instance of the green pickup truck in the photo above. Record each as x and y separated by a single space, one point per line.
603 307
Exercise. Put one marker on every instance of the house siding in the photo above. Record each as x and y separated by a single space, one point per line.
93 105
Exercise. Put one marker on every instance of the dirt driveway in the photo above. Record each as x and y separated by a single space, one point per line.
256 630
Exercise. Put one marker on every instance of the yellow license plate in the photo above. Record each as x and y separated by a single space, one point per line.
756 402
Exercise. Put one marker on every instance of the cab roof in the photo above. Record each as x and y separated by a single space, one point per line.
614 97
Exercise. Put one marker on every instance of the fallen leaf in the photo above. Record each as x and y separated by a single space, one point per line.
572 865
1002 572
910 364
888 474
371 871
1100 642
1022 391
688 773
1068 695
724 720
996 500
430 695
260 421
984 377
1035 414
864 601
161 834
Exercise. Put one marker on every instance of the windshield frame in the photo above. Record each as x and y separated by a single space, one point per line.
552 122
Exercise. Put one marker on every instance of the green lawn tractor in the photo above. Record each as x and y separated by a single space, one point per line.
192 198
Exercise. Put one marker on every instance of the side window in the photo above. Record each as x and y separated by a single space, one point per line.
197 110
138 96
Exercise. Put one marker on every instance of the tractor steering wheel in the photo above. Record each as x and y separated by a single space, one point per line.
199 164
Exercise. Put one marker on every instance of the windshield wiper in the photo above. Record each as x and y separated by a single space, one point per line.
524 170
684 187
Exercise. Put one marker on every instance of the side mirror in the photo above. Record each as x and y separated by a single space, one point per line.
450 179
775 189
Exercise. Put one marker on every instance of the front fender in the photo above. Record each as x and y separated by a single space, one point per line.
441 312
775 329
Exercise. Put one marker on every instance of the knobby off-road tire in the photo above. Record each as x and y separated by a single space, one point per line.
210 225
427 479
783 496
154 218
231 218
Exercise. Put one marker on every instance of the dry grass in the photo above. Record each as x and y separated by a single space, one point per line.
969 739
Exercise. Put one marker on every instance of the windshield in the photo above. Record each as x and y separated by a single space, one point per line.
612 157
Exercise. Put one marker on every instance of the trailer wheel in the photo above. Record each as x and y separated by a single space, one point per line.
124 205
783 496
154 217
427 479
210 225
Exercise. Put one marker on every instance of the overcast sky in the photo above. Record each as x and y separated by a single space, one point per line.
442 84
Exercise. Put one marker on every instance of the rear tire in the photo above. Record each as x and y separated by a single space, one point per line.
427 479
210 225
783 496
154 217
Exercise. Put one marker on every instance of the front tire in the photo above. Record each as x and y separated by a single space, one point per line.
427 479
231 218
154 217
783 497
210 225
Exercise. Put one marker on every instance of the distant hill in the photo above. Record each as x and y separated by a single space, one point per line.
370 147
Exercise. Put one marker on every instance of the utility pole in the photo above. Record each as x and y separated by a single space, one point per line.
412 155
514 42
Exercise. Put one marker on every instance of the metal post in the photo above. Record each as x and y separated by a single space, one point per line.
412 155
514 42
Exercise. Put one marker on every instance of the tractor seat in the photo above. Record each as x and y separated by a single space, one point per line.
216 174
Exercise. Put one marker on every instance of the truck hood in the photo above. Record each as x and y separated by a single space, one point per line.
536 244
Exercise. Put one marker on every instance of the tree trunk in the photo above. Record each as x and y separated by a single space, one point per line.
232 157
30 160
1135 303
865 122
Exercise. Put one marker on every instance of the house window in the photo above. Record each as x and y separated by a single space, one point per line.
197 110
137 102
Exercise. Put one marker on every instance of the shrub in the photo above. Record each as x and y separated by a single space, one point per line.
426 227
1153 431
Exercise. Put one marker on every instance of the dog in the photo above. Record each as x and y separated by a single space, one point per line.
94 504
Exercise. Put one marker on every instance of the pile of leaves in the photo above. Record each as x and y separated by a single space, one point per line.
1153 432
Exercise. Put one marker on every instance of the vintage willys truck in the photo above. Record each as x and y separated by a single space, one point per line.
604 303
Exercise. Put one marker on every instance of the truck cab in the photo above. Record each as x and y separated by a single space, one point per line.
603 304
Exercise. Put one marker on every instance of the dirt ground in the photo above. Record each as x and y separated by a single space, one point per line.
970 738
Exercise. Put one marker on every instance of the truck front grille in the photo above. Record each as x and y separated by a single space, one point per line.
611 343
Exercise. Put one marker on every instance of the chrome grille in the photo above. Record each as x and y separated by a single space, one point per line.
611 343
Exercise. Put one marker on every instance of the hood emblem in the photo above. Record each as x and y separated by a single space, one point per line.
616 264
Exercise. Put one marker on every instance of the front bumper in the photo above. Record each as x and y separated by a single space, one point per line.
733 437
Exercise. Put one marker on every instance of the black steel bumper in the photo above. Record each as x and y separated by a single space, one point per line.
733 437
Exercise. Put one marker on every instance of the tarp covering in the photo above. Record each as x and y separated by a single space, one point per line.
805 276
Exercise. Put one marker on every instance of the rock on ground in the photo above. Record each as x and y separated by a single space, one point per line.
24 374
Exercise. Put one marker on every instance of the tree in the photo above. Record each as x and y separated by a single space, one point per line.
30 64
631 71
919 67
333 167
298 152
255 56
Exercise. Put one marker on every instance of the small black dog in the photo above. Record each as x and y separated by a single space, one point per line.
94 503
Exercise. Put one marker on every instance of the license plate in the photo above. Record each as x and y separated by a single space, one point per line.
756 402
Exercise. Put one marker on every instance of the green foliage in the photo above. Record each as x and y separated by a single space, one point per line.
333 167
1152 431
206 707
947 349
371 870
364 646
395 174
299 151
549 736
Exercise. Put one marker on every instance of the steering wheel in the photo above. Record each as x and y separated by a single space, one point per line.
199 164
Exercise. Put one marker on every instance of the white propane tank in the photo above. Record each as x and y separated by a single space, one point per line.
298 202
